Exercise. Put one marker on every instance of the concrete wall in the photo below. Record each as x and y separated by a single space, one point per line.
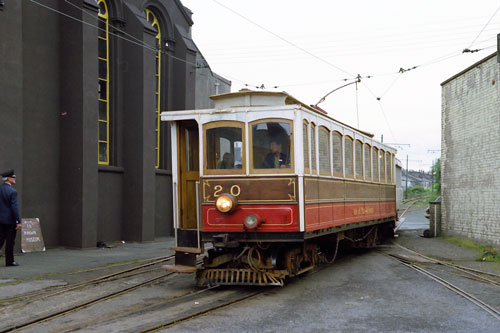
471 153
399 188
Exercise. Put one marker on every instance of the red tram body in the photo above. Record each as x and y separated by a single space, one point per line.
274 185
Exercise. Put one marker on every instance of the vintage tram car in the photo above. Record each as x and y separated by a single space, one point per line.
274 185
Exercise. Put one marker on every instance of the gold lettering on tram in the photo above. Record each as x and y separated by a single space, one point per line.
217 190
234 192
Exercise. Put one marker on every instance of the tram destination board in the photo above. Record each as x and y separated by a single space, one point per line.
31 236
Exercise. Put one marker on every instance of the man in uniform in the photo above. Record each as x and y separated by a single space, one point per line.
10 221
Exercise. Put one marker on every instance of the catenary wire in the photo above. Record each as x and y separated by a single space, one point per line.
283 39
480 32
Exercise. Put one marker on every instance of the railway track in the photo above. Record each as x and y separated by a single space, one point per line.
32 296
464 272
27 299
147 316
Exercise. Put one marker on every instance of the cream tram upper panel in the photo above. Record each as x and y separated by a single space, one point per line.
248 106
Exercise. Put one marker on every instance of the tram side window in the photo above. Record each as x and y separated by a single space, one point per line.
368 170
305 143
375 164
324 151
382 165
389 168
313 148
271 145
348 157
359 159
337 154
224 148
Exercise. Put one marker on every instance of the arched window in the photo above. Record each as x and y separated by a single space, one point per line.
359 159
338 169
393 164
382 165
324 151
375 163
313 148
368 169
388 166
103 93
152 19
348 157
305 143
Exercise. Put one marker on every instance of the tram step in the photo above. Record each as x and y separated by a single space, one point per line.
179 268
187 250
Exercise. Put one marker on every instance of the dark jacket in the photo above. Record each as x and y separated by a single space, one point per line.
9 207
269 161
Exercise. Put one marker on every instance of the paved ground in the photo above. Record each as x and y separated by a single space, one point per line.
363 291
60 266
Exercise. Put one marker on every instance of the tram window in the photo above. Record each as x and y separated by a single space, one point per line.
337 154
368 171
192 155
271 145
305 144
348 157
375 164
388 164
324 151
313 148
382 165
359 159
224 148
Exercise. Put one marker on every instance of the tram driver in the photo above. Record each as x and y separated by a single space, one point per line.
275 158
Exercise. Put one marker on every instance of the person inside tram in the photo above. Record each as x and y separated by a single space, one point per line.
275 158
227 162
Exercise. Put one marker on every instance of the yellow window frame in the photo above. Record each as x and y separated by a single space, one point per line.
224 123
105 18
250 147
150 16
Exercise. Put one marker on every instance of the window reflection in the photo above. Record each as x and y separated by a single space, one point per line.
271 145
224 148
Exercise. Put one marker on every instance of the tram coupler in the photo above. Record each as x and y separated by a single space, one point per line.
223 240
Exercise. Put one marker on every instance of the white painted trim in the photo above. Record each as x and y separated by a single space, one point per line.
174 144
302 220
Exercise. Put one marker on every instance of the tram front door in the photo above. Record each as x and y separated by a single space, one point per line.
189 174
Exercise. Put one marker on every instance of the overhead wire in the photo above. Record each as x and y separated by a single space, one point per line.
282 38
480 32
140 43
137 43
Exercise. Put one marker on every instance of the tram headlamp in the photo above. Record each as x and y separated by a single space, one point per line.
252 221
226 203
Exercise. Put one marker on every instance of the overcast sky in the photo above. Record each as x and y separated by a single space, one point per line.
308 48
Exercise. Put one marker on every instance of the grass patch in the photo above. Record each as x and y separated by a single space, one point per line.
486 252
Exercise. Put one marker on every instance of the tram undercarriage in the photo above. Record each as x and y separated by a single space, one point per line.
271 263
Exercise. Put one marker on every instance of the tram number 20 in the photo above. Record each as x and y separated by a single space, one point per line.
235 190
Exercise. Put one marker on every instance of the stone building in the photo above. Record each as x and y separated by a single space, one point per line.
470 178
82 83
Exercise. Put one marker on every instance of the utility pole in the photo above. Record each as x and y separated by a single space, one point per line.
406 192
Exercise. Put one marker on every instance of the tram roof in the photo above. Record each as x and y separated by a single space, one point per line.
247 97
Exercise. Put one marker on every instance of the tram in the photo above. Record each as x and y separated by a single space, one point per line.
270 186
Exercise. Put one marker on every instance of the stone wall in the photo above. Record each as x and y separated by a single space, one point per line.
471 153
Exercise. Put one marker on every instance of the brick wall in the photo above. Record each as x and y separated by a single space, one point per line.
470 158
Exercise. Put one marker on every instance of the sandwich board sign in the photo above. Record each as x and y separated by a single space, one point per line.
31 236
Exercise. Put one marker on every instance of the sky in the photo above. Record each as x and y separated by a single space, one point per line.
309 48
